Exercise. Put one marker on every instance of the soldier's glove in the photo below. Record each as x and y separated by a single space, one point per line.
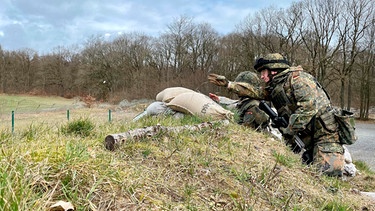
218 80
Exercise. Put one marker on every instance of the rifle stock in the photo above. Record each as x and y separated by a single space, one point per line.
279 121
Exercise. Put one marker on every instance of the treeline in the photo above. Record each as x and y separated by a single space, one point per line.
333 40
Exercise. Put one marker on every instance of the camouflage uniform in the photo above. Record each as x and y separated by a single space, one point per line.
248 108
300 99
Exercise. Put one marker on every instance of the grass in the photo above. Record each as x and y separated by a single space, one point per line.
27 103
226 167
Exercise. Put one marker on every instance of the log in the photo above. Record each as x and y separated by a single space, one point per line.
113 141
371 195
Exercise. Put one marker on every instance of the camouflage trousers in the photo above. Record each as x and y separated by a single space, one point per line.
329 158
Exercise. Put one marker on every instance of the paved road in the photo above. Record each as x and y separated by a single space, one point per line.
364 148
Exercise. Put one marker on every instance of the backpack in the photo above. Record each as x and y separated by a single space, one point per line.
346 126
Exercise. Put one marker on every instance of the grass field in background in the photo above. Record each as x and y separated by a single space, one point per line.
54 111
28 103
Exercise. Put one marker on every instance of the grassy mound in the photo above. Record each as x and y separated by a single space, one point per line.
220 168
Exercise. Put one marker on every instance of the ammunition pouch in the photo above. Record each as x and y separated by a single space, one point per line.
328 121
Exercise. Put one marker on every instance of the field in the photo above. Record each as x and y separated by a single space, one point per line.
54 111
50 158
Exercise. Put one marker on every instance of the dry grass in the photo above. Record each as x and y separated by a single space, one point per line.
220 168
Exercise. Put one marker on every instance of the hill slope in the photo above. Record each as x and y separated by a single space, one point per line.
224 167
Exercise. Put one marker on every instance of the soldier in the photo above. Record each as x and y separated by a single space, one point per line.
248 110
302 101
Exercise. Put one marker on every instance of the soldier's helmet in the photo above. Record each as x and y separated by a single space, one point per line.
248 77
273 61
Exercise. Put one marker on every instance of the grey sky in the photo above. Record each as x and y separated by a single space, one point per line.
42 25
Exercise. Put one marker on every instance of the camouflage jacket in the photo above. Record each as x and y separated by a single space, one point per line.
248 111
250 114
299 98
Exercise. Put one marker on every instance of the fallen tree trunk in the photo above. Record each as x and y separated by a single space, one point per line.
113 141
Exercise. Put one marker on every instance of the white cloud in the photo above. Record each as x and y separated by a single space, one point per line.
42 25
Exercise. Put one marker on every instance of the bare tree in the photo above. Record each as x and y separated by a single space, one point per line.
98 74
14 67
261 27
203 47
180 35
230 55
56 75
28 59
318 33
185 52
355 18
366 64
273 30
22 70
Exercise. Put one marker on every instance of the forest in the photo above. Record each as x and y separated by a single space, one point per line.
333 40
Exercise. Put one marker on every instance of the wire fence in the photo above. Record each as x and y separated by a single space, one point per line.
22 116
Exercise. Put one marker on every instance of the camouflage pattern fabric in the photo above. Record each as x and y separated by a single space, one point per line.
250 115
243 89
248 77
302 99
271 61
329 159
248 108
305 101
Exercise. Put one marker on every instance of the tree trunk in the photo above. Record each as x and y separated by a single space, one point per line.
342 93
349 99
113 141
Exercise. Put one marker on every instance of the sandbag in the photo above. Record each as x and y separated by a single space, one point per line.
169 93
349 167
200 105
156 108
153 109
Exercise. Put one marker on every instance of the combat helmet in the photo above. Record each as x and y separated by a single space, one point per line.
248 77
273 61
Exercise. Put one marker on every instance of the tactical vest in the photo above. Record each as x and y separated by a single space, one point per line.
279 88
282 95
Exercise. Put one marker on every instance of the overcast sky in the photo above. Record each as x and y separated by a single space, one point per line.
42 25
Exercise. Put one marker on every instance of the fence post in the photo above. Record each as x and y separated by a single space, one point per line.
12 121
67 114
109 115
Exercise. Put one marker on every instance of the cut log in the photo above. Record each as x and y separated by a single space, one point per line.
371 195
113 141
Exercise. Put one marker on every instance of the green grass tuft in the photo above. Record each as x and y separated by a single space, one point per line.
363 167
80 127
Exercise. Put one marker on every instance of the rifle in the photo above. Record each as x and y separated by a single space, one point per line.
279 121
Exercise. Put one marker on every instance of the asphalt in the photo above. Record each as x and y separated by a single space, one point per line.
364 148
